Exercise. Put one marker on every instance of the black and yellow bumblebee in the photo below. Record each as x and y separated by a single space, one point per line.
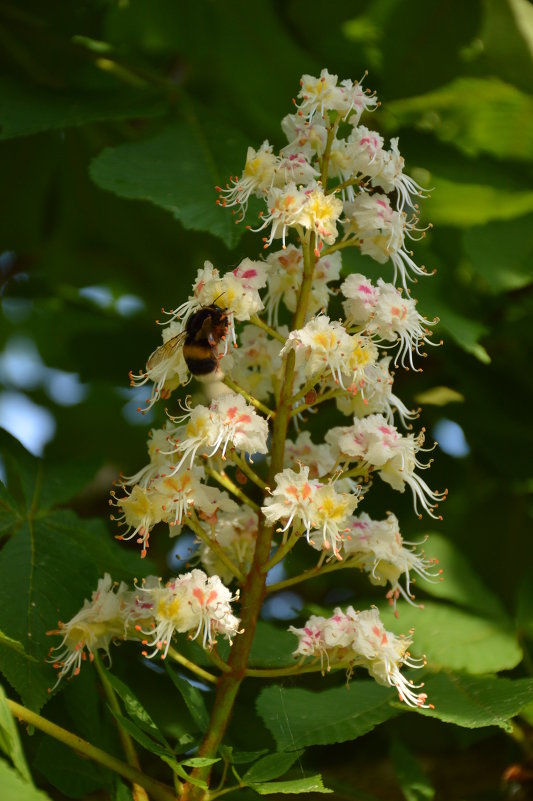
203 332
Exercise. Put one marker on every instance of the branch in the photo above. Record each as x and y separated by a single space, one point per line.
250 398
158 791
194 524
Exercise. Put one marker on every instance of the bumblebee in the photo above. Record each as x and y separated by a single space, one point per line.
203 332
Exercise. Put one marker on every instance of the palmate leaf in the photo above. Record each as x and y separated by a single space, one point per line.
298 718
477 115
454 639
476 701
32 109
310 784
271 766
49 565
178 170
461 584
10 741
15 788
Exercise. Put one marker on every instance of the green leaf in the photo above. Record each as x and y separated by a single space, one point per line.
460 583
122 792
477 115
272 646
68 772
15 788
506 45
139 735
178 170
313 784
92 536
501 253
193 699
32 485
38 586
455 639
297 718
411 778
8 642
475 701
464 204
199 762
240 757
32 109
10 741
135 710
271 766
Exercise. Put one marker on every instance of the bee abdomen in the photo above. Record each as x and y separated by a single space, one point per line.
200 358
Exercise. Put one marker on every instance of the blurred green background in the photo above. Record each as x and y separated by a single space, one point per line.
117 119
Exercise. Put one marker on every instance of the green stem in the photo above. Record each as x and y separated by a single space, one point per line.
158 791
243 465
282 551
246 395
138 792
343 185
347 243
200 672
255 320
313 573
332 393
217 660
226 482
194 524
253 591
327 151
272 673
303 392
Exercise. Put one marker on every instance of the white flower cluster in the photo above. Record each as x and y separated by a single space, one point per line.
293 183
334 185
167 489
358 639
192 603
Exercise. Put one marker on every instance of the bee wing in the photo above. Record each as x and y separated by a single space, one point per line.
165 351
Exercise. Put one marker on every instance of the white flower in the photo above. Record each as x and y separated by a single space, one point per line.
185 491
161 450
381 232
376 444
330 515
229 421
320 214
362 297
321 346
190 603
385 312
100 620
256 364
366 148
318 458
295 167
351 97
380 550
236 533
359 639
285 271
317 94
390 177
304 135
376 396
256 179
141 509
292 499
285 206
